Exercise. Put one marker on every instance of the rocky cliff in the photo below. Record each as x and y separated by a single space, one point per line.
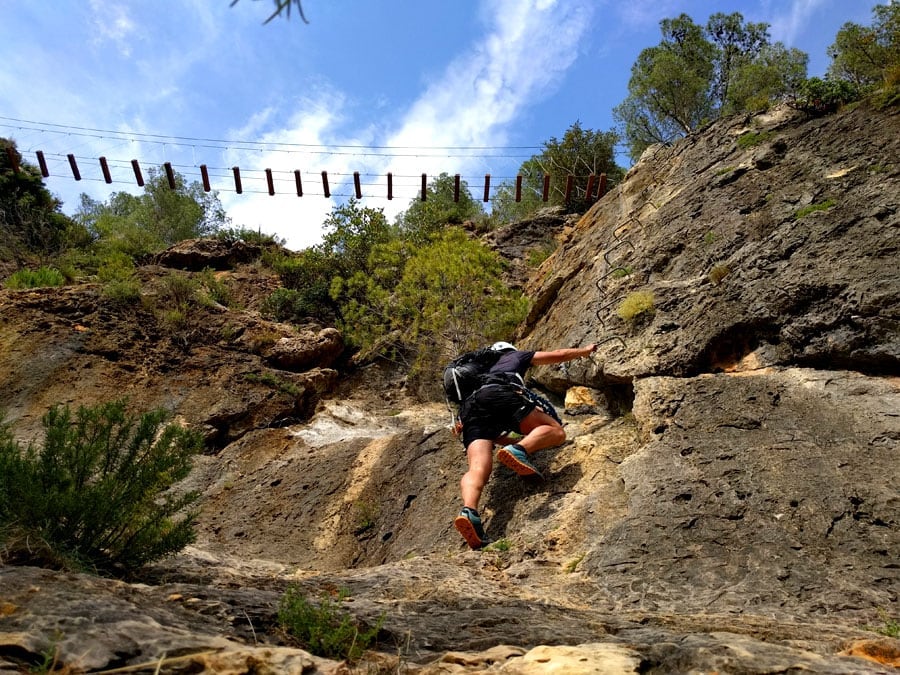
727 500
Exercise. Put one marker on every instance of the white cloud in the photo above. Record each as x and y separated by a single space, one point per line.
522 56
112 22
525 52
302 145
788 25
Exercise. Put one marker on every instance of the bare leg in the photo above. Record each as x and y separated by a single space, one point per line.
480 457
541 432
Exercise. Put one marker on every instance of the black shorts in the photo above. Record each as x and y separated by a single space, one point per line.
494 410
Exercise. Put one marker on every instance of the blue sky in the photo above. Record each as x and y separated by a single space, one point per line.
370 86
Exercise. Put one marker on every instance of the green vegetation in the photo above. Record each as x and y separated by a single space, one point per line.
727 66
890 626
502 545
97 494
572 565
324 628
275 382
215 290
752 138
366 516
637 306
425 218
537 256
33 230
401 292
231 235
730 66
105 240
580 153
812 208
868 56
820 97
39 278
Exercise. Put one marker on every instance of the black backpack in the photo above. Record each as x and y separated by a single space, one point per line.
467 373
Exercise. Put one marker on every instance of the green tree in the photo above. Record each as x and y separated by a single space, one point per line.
316 280
31 222
424 218
160 217
505 208
868 55
737 45
96 495
580 153
775 73
452 297
699 73
669 89
350 233
366 300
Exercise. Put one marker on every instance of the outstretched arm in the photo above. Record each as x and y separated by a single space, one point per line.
561 355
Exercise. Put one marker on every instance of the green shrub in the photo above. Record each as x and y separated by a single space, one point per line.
179 290
752 138
572 565
39 278
96 495
278 383
812 208
218 291
115 266
887 97
288 305
174 320
324 628
637 306
823 96
231 235
366 516
123 292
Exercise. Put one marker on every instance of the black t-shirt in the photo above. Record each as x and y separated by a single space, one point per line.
514 362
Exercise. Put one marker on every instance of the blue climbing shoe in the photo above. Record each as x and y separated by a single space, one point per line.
514 457
468 523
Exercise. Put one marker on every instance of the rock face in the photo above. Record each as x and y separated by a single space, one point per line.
727 500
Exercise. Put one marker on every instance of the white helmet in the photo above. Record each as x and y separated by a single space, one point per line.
502 347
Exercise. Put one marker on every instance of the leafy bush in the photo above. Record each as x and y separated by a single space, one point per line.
96 495
637 306
39 278
179 290
324 628
888 96
823 96
231 235
115 266
123 292
120 284
308 274
452 294
216 290
288 305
